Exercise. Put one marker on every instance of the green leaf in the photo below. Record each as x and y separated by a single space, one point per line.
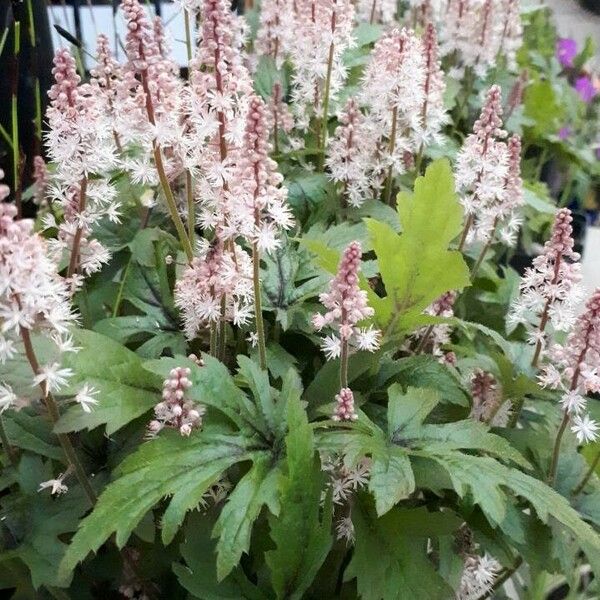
389 564
32 432
199 575
485 477
126 390
234 526
424 371
171 465
267 75
302 537
416 266
541 105
407 412
391 478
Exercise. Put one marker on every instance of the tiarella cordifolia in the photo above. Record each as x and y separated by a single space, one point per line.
279 116
488 405
41 180
324 33
350 159
344 410
79 141
482 170
262 212
33 298
176 410
476 32
218 99
507 216
393 88
346 306
433 112
376 11
572 368
216 285
550 289
276 33
478 576
435 337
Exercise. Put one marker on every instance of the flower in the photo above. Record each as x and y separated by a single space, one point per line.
347 305
344 411
486 395
376 11
57 486
483 170
566 52
8 398
550 289
52 377
585 429
85 398
585 88
323 32
573 402
478 577
176 410
276 32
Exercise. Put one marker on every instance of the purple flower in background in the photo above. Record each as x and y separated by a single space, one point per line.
585 88
566 51
565 132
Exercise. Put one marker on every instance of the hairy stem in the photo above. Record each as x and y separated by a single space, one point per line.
390 176
484 251
191 216
323 141
74 260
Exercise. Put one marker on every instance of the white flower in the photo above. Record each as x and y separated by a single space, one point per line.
331 346
253 339
585 429
52 377
573 402
368 339
7 397
85 397
345 529
56 485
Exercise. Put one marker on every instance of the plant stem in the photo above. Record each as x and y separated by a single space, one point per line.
588 475
16 150
260 326
484 251
541 163
6 445
53 411
390 177
188 34
36 80
465 233
373 8
323 141
162 175
556 450
222 330
424 339
213 340
74 260
344 365
191 216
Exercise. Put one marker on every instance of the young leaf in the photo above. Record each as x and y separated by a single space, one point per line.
416 266
303 538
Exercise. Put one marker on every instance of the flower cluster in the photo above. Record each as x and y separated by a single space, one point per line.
376 11
483 175
176 410
262 210
435 337
573 369
478 576
33 296
41 179
344 410
350 155
347 306
477 32
323 33
275 37
488 405
217 278
550 289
